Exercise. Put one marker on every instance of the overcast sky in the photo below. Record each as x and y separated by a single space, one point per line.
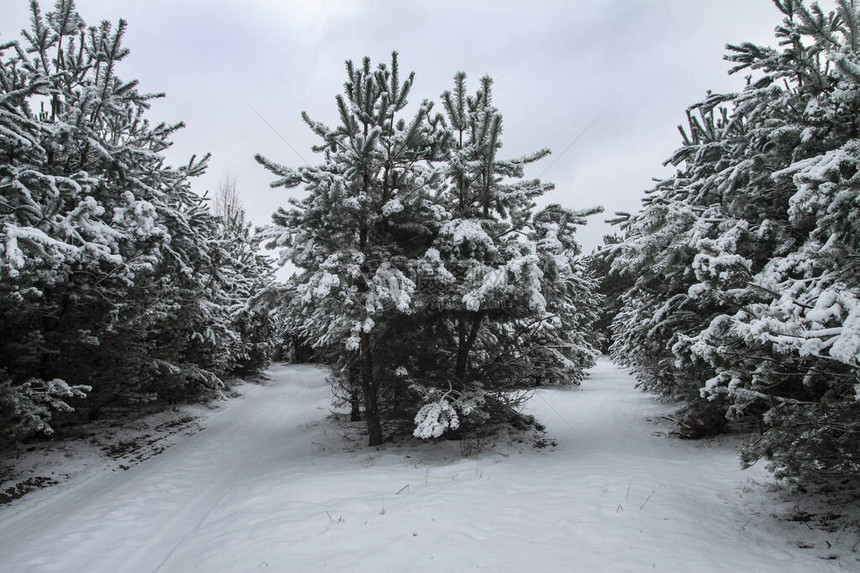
557 66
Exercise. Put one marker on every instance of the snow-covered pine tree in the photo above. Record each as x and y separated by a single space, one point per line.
754 241
509 303
790 346
611 284
428 280
659 248
245 281
490 205
358 234
108 275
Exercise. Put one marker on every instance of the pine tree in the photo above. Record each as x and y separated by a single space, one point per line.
612 283
245 280
356 235
751 245
659 249
790 347
110 274
428 279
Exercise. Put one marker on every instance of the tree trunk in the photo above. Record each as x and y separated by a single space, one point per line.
354 411
467 336
354 395
371 394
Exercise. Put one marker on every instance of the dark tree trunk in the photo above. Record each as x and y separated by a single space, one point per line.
354 394
371 394
355 410
468 334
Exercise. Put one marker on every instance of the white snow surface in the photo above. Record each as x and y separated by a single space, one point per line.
272 484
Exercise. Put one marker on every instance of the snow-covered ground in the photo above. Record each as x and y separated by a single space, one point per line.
272 483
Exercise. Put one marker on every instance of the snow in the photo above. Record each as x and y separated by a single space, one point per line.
433 419
465 233
392 207
272 483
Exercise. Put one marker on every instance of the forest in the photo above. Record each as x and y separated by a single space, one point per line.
432 279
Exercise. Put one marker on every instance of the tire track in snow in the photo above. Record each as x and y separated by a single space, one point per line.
135 520
239 477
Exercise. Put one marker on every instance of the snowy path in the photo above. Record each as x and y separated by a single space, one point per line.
270 485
